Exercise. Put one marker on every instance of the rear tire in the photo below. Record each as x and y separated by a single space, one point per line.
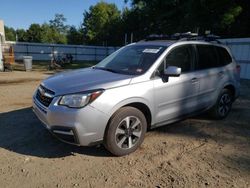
223 105
126 131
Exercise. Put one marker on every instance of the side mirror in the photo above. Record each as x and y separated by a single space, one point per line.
172 71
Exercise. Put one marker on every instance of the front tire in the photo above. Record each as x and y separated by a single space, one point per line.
126 131
223 105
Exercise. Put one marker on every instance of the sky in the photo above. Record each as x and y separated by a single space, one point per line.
19 14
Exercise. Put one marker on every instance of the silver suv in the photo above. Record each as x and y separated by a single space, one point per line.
139 87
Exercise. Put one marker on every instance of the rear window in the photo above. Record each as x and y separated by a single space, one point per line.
224 56
207 57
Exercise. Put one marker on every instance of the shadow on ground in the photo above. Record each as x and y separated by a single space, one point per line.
235 125
22 132
232 132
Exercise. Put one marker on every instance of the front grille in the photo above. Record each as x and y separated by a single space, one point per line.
47 90
42 98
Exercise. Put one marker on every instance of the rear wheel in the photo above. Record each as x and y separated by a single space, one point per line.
223 105
125 131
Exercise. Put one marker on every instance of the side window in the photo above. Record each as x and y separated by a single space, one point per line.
179 57
224 56
207 57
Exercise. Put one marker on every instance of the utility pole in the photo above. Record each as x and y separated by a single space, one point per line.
1 55
125 39
2 40
131 37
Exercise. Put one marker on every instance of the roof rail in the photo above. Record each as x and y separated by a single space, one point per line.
157 37
184 37
179 36
207 38
175 36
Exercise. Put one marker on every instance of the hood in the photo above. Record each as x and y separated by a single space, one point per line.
85 79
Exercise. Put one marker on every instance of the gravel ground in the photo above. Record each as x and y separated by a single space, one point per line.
196 152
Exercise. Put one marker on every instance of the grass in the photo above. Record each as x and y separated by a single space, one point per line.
43 65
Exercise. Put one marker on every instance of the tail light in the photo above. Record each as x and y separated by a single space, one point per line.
237 69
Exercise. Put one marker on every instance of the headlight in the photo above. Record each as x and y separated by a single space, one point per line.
79 100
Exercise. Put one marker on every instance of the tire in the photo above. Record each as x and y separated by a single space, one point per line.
223 105
126 131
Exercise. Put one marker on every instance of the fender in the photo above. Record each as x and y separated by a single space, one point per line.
134 100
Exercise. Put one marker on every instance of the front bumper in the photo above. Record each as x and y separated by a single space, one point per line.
85 126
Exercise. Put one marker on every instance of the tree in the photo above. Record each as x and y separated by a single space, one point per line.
51 35
171 16
34 33
58 23
21 35
100 23
241 24
10 33
74 35
133 21
217 16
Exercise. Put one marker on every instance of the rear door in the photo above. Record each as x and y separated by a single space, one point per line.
210 73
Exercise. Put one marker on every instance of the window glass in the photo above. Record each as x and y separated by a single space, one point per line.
133 59
180 57
207 57
224 56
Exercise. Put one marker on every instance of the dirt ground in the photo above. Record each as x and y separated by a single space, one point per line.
196 152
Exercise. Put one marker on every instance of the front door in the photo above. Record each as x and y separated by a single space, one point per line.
176 96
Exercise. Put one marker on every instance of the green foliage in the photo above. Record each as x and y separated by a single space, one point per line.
171 16
51 35
10 33
22 35
104 24
54 32
44 33
34 33
230 16
58 23
100 23
74 35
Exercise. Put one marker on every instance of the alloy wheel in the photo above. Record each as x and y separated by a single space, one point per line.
128 132
224 104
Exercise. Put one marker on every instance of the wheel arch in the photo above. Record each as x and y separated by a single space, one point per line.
144 109
137 103
231 88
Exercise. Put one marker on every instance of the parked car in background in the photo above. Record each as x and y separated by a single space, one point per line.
139 87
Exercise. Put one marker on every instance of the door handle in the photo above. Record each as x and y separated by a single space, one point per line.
221 73
194 80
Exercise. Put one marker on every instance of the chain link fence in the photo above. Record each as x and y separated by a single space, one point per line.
44 51
240 48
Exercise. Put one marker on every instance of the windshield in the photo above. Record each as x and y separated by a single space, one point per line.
133 60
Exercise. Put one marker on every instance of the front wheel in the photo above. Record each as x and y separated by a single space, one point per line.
126 131
223 105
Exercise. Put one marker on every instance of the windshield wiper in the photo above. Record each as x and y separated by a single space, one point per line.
106 69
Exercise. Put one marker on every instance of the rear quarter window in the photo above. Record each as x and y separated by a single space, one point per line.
224 56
